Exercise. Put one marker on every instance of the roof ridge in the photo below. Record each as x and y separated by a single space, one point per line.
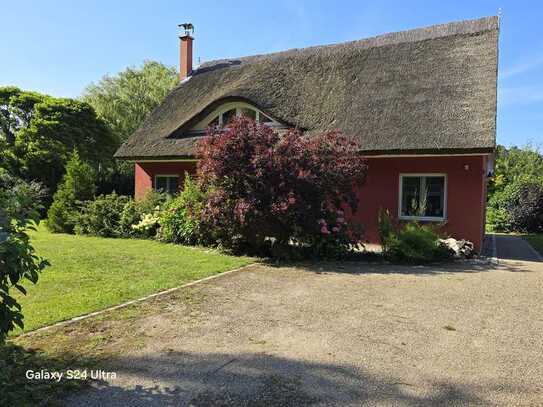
462 27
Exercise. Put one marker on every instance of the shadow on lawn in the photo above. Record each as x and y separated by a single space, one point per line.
247 379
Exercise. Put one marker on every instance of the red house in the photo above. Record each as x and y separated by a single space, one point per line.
421 102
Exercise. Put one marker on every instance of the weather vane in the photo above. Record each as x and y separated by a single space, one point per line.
188 27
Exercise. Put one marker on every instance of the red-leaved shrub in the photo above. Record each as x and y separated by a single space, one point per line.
265 189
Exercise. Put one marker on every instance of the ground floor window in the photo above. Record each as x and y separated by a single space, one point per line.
167 183
422 196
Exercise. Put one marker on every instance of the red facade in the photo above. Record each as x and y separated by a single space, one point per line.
465 192
465 189
147 171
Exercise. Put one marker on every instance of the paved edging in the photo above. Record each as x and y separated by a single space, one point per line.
131 302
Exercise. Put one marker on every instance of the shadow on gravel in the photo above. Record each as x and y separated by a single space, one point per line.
361 267
262 380
19 368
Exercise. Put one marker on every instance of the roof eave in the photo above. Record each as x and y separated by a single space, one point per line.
369 153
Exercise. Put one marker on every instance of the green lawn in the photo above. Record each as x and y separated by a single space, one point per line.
536 240
92 273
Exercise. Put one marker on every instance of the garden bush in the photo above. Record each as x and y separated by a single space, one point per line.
102 216
415 244
411 243
135 211
180 222
19 212
77 185
517 208
268 190
148 225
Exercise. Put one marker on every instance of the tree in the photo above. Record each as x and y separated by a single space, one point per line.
514 203
16 108
40 131
78 185
265 187
124 100
19 204
515 164
518 207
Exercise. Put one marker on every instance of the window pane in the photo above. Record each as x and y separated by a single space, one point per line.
228 116
264 118
169 184
249 113
214 122
435 197
173 185
161 184
410 196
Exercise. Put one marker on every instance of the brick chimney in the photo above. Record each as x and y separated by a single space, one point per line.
185 51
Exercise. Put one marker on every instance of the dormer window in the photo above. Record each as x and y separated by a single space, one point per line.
226 113
228 116
250 113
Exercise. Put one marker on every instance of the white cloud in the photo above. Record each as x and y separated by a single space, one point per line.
520 95
520 68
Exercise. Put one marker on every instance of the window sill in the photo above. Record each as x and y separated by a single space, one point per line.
423 218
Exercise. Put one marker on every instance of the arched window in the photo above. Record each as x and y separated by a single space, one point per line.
227 112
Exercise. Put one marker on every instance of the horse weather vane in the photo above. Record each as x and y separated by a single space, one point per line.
188 27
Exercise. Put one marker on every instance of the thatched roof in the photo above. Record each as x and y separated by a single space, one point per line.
424 90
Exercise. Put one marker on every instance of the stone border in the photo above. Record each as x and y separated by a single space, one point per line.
131 302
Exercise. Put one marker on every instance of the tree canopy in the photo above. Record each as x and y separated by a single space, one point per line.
516 190
516 164
125 99
38 132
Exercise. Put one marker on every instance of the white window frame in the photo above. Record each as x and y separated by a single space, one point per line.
238 109
203 124
165 176
423 218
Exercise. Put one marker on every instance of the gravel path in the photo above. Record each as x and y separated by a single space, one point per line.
348 334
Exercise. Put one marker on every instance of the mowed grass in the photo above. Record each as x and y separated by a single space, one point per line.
536 240
92 273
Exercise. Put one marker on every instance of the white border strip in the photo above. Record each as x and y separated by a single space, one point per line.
494 259
131 302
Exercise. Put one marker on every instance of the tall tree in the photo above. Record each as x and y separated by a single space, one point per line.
16 108
516 164
38 132
78 185
125 99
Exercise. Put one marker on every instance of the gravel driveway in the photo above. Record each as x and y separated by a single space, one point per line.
341 334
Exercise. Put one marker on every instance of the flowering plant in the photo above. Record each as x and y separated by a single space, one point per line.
148 223
287 189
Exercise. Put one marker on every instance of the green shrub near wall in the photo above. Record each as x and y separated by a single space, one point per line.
134 211
412 243
416 243
180 222
102 216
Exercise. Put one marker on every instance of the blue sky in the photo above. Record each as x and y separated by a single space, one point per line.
59 47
